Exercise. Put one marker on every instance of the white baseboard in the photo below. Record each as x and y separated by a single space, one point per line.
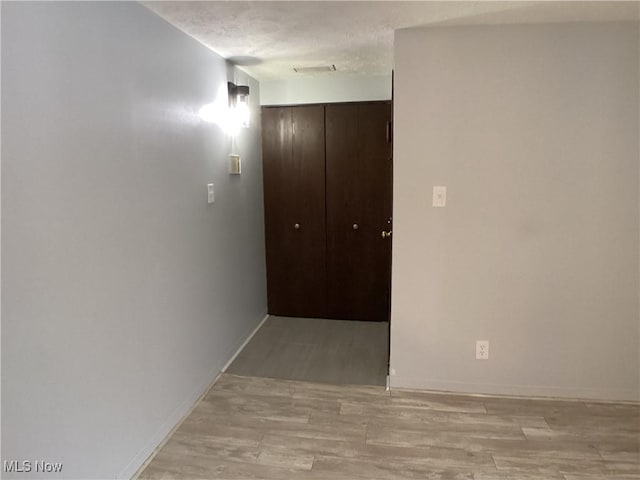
255 330
144 456
529 391
171 424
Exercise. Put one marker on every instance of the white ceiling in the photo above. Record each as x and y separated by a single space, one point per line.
268 38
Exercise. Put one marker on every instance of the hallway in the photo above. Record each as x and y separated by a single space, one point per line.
317 350
174 171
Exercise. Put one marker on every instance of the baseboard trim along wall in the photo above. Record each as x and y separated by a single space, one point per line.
170 425
173 422
529 391
248 339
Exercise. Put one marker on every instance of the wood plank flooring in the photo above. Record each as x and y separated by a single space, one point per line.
317 350
262 428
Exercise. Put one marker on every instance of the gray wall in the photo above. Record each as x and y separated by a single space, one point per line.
124 293
325 88
534 131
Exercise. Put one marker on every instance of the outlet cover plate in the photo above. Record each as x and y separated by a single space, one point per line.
482 350
439 196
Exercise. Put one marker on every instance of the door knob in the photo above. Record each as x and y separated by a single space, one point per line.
355 226
386 234
297 226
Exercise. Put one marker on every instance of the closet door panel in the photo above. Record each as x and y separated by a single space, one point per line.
344 197
293 155
358 169
376 150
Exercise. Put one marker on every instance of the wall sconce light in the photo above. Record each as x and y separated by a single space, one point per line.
239 104
230 110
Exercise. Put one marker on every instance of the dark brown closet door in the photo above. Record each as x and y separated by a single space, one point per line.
359 207
294 195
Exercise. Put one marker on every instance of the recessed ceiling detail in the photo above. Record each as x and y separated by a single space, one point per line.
267 38
315 69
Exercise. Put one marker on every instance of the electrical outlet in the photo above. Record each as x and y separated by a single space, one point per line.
482 350
211 195
439 196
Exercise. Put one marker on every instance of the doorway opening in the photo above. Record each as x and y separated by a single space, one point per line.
328 186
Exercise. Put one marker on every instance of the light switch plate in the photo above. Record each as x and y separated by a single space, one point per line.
211 195
439 196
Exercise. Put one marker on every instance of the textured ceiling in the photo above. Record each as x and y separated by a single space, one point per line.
268 39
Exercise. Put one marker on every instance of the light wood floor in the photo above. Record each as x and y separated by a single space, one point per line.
317 350
261 428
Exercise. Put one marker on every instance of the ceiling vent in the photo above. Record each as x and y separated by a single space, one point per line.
316 69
